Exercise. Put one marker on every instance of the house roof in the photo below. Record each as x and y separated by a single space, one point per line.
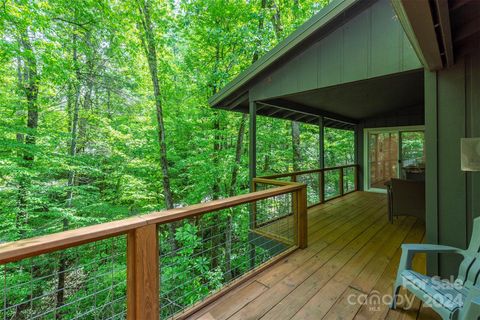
349 62
322 19
440 31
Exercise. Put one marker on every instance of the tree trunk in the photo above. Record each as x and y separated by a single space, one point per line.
63 263
297 157
148 41
238 157
276 20
238 154
29 83
231 193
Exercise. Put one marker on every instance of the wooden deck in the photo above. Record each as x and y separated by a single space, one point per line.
352 256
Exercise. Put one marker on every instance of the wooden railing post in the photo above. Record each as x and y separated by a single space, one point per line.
143 274
357 172
301 218
253 208
340 182
322 186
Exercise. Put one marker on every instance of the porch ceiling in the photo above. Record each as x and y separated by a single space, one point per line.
367 98
346 104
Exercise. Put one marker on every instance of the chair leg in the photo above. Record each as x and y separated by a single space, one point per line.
396 289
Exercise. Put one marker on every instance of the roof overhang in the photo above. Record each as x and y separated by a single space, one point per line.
439 30
328 14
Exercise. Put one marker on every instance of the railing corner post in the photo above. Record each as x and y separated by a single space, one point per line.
302 218
143 283
340 182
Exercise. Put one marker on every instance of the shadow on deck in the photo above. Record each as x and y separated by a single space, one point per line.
350 262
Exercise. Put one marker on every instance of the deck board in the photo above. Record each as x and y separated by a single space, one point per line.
353 251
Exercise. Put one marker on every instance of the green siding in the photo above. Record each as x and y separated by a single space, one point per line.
358 65
371 44
452 112
431 150
451 180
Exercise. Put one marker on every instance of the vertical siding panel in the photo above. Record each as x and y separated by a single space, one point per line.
307 69
385 45
355 48
473 130
331 59
410 59
431 150
451 180
370 44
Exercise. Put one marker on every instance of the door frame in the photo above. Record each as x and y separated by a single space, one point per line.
366 167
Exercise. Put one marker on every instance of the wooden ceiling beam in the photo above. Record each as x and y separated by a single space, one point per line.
301 117
303 109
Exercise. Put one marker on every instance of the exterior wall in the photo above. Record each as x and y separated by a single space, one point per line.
452 111
372 44
405 117
402 118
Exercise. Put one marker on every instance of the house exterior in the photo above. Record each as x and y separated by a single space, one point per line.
384 70
375 64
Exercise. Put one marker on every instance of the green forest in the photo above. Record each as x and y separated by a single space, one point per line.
104 115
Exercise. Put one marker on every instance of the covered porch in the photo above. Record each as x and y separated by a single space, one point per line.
348 268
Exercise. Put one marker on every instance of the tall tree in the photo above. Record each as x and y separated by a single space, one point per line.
29 82
297 153
149 43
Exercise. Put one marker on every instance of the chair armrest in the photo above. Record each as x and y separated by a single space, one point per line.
430 248
409 250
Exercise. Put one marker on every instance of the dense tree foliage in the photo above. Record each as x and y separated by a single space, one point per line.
104 114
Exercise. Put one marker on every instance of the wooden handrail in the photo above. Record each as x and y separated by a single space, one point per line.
275 182
142 249
298 173
321 178
17 250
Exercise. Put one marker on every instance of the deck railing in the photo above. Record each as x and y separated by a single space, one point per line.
323 184
136 269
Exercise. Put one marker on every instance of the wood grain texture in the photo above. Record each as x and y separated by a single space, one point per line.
302 218
352 250
14 251
297 173
143 274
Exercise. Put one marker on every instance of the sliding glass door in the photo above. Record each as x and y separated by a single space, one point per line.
393 153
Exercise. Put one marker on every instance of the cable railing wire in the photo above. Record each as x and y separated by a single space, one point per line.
205 262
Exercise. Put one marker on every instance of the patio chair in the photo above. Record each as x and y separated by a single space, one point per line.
459 300
406 198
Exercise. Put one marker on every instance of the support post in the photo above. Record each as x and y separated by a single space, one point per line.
143 274
359 156
252 151
321 159
356 168
321 143
301 218
252 168
340 182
